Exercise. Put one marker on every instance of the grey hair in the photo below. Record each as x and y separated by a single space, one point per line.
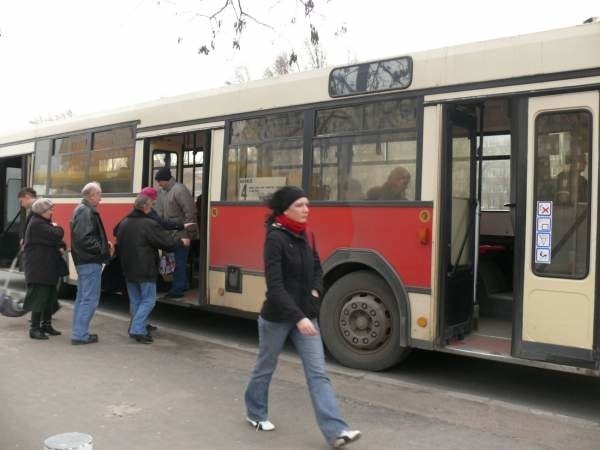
91 188
141 201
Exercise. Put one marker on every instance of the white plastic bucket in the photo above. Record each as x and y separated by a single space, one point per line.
69 441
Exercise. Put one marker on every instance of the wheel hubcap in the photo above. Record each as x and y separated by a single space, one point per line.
364 322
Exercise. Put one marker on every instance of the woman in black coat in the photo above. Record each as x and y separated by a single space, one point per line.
43 253
293 274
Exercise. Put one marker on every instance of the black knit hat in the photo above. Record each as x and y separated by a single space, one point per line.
284 197
163 174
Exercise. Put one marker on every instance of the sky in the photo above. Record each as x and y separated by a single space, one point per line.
94 55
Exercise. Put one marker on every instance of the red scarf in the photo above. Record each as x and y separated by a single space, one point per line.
292 225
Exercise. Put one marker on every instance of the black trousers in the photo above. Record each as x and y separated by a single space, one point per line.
38 317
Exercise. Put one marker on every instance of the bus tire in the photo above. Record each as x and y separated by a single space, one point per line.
360 322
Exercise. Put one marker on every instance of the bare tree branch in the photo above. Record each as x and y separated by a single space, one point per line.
242 17
258 21
227 2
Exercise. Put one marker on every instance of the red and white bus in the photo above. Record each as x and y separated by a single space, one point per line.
491 250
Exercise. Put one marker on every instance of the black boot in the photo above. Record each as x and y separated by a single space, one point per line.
49 329
35 332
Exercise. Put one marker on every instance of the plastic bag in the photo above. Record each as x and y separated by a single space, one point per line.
11 306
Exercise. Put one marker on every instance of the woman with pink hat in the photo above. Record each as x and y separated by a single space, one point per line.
167 224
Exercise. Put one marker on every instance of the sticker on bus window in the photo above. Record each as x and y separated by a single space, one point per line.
544 240
543 255
543 233
544 208
544 224
258 188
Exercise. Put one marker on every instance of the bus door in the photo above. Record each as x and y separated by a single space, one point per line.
187 155
12 179
458 223
559 311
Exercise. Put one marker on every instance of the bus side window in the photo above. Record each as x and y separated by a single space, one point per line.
563 145
357 148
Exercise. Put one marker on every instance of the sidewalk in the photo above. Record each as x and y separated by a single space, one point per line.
184 393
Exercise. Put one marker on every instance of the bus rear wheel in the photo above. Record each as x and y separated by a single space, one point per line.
360 322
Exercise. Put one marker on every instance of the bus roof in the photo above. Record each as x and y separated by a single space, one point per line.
548 52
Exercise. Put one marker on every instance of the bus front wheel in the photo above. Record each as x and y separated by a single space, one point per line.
360 322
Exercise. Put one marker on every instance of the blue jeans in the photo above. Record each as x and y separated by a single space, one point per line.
180 282
88 296
272 337
142 298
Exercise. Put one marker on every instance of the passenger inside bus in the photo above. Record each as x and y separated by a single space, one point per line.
353 190
394 188
318 190
571 186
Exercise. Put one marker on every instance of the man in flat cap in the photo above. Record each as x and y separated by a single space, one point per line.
140 237
175 203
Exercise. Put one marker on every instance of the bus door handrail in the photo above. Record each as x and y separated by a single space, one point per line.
12 222
464 242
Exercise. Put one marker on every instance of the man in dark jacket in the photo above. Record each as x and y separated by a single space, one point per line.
89 249
112 277
26 197
139 238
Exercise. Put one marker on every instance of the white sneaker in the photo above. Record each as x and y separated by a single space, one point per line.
263 425
346 437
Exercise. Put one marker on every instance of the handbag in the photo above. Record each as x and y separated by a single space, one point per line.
166 265
62 266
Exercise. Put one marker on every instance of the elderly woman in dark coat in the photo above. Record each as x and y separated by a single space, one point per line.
43 250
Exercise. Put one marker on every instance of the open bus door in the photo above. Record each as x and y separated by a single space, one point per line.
559 315
13 176
188 156
458 223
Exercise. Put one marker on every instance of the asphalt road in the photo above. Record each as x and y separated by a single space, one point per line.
554 392
565 394
185 391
